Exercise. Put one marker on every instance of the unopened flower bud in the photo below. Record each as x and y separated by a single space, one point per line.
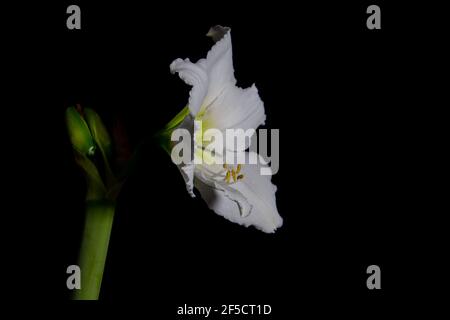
98 130
79 133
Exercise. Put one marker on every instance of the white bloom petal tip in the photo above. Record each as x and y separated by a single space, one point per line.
216 33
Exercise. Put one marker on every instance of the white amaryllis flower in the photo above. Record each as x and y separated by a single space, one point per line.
239 192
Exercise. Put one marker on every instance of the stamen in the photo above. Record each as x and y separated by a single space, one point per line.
227 177
233 173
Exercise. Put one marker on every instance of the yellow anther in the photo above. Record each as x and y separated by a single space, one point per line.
227 177
240 177
225 166
233 173
238 169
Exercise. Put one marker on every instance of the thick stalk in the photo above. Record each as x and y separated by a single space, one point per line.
94 248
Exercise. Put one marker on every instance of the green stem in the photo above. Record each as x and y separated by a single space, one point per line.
94 248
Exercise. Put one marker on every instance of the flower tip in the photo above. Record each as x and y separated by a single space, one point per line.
175 65
277 224
217 32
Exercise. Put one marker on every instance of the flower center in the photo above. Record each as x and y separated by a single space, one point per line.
233 173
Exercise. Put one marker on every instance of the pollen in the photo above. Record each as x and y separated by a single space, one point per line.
240 177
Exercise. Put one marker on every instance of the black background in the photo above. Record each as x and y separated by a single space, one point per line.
336 91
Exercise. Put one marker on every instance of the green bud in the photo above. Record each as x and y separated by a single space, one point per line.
98 131
79 133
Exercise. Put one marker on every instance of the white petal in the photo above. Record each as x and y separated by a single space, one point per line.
228 203
208 76
260 192
254 192
219 66
236 108
194 75
227 106
215 93
244 206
